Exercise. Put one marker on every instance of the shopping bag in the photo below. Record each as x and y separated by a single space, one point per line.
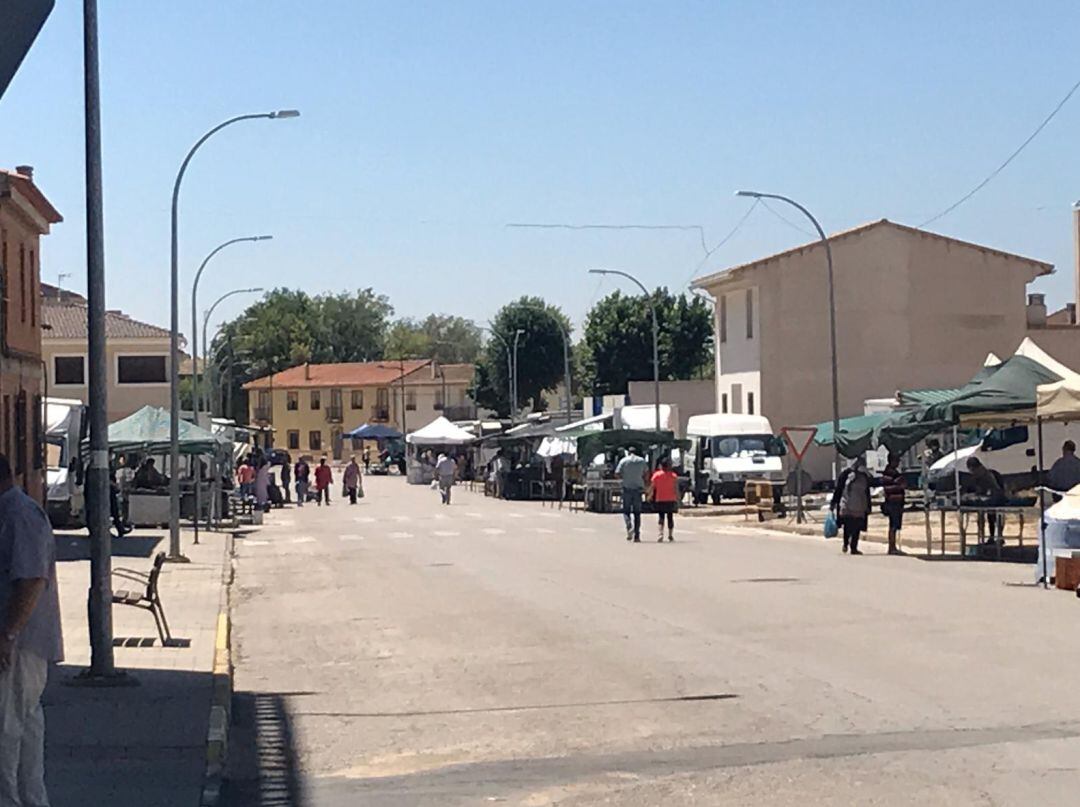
831 528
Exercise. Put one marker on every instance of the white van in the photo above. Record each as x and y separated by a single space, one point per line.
727 450
65 428
1012 451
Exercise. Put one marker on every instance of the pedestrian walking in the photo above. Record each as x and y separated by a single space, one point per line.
350 480
895 488
664 485
285 480
631 472
323 479
245 476
30 640
301 473
367 459
262 486
851 502
445 472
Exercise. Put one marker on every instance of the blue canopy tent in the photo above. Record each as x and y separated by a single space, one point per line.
374 431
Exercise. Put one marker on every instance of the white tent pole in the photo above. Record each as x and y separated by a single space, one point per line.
1042 504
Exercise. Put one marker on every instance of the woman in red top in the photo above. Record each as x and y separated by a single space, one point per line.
665 496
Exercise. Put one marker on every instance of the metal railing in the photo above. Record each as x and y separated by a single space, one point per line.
264 414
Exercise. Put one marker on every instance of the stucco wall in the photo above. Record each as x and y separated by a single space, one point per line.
912 311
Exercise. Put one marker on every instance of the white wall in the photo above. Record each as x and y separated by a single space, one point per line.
738 351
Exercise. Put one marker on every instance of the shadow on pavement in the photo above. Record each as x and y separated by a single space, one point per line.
132 745
262 764
77 547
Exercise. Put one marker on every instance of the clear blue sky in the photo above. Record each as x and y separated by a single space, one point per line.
427 127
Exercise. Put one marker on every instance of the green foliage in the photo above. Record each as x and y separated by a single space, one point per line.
618 340
447 339
540 355
288 327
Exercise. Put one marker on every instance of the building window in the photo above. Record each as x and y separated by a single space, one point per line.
22 281
292 402
39 435
314 440
33 293
736 399
69 371
316 400
723 403
750 315
410 400
141 370
357 399
723 318
749 403
20 433
294 439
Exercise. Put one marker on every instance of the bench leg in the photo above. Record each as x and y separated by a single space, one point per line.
162 625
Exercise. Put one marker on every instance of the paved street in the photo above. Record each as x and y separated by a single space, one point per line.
403 653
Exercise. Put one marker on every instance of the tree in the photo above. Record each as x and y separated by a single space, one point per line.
288 327
618 340
447 339
540 355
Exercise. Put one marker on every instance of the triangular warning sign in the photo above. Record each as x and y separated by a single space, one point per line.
804 436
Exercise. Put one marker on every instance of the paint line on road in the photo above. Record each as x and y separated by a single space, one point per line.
249 542
474 515
350 537
584 529
446 533
401 535
493 531
364 520
514 515
543 530
303 539
402 518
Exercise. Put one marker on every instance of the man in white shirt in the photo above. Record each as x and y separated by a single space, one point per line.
445 471
631 471
30 640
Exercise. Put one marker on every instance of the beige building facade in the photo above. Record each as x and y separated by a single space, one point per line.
914 310
312 406
137 355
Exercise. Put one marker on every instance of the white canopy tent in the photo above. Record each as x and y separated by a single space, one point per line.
440 432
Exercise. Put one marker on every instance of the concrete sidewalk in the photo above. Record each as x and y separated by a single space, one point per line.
144 744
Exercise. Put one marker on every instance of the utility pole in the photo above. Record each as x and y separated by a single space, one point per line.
102 664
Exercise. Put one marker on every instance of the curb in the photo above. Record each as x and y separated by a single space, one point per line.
217 736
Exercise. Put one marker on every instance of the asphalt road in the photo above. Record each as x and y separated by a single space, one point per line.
404 653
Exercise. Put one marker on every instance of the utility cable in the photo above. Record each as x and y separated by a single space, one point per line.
1011 157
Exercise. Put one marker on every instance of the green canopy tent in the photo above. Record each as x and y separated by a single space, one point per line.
147 430
592 443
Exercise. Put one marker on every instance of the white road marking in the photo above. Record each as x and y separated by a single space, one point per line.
543 530
402 518
364 520
514 515
249 542
351 537
474 515
439 516
584 529
446 533
303 539
493 531
401 535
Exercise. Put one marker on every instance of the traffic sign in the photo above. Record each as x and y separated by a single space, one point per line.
799 448
22 19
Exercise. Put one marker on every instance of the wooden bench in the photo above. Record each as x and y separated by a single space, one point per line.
148 597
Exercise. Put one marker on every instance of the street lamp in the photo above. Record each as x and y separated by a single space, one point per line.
194 325
832 307
509 368
655 334
565 347
174 337
517 335
206 344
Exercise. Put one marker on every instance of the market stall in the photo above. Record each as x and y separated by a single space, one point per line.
388 442
599 453
424 446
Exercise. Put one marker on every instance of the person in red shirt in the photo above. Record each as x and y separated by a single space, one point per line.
323 480
665 496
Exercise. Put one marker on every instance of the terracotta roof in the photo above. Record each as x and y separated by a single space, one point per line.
31 191
347 374
458 372
708 280
68 321
55 294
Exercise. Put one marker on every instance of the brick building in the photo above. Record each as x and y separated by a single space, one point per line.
25 216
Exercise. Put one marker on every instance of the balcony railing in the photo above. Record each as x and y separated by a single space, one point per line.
381 413
334 414
264 414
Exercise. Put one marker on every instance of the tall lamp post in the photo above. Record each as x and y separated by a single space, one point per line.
655 334
509 369
206 344
174 337
517 335
832 307
194 324
565 350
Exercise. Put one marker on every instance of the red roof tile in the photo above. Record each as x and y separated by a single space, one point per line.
348 374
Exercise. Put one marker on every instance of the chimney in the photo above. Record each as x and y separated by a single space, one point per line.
307 371
1071 308
26 170
1076 255
1036 311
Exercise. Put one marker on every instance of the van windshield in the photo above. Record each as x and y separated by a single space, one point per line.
744 445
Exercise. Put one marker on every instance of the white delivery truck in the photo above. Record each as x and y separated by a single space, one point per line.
727 450
65 428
